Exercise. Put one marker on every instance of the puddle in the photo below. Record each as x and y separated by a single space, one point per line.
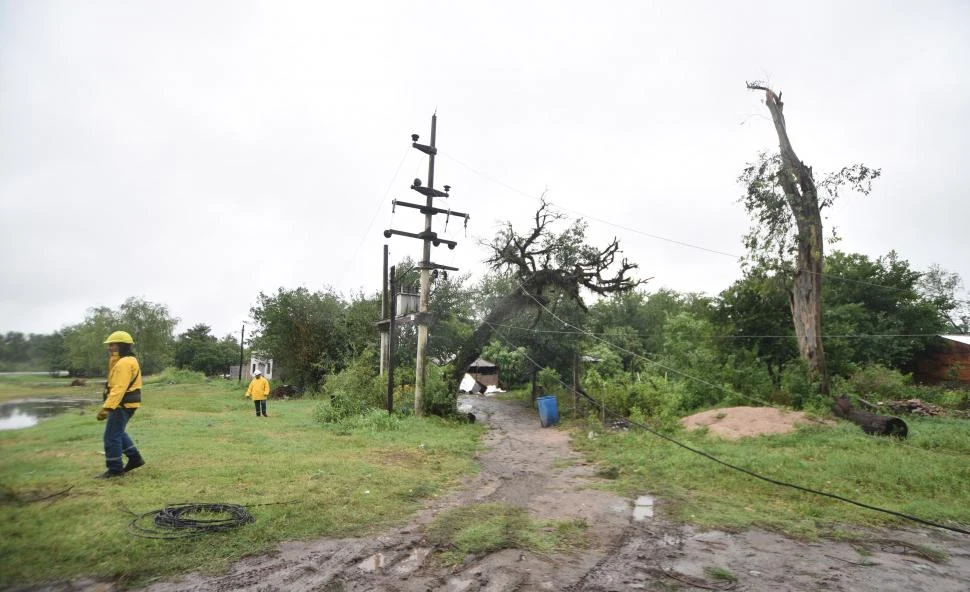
409 564
372 563
412 562
15 415
643 508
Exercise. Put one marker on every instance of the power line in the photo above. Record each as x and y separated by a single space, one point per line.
656 236
791 336
380 202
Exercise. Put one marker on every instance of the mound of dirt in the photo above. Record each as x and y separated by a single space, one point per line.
732 423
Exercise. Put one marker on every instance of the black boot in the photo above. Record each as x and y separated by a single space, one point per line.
108 475
134 462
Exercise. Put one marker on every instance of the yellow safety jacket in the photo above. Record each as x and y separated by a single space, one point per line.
124 384
258 388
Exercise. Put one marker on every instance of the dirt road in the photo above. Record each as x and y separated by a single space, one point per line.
534 468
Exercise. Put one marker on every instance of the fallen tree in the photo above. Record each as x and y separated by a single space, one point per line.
871 423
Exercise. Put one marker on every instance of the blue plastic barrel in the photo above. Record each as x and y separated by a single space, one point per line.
548 410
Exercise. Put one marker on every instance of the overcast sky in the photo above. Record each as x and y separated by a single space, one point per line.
196 153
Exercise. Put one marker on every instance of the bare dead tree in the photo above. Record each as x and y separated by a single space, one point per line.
543 264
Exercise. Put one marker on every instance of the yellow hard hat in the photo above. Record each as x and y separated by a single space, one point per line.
119 337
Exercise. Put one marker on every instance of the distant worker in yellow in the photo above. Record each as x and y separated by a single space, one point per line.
122 396
258 390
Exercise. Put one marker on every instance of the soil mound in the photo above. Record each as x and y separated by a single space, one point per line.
732 423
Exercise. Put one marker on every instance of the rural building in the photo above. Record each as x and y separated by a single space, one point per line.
255 363
947 361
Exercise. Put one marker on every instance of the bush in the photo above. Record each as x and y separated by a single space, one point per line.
438 398
875 382
550 381
801 392
353 391
176 376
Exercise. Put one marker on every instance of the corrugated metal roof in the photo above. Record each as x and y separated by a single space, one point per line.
481 363
961 338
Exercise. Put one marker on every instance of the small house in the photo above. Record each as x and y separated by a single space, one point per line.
947 361
484 372
264 365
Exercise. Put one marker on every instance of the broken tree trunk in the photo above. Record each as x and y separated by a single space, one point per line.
798 184
871 423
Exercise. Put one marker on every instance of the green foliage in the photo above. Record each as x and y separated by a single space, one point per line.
198 350
549 381
798 391
875 382
438 397
32 352
176 376
512 363
149 324
774 235
353 391
866 300
304 332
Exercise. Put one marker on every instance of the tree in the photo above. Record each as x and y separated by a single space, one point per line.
84 342
304 332
149 324
198 350
783 198
875 311
542 267
945 290
152 328
755 312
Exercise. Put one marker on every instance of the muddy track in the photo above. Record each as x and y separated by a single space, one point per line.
533 468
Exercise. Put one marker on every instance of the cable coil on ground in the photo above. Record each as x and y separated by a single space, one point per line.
187 520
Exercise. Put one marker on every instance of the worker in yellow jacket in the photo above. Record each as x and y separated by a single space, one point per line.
258 390
122 396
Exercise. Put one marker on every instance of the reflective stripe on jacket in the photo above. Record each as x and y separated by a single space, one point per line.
258 388
124 378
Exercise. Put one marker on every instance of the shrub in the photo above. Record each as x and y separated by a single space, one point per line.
876 382
176 376
549 380
353 391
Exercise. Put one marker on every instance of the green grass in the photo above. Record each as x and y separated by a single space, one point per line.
927 476
203 444
22 386
486 528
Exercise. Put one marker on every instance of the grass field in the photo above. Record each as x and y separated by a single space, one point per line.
927 476
301 480
204 444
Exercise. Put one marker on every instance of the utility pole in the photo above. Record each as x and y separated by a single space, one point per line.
385 311
392 312
429 238
242 336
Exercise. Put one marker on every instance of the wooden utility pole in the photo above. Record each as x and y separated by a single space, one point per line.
391 313
242 338
429 237
385 311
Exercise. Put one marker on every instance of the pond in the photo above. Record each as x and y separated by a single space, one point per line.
15 415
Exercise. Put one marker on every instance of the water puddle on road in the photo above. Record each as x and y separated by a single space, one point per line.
643 508
403 567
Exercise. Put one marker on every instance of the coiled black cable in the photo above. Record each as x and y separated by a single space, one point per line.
183 520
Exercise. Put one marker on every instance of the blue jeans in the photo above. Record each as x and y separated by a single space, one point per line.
116 441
